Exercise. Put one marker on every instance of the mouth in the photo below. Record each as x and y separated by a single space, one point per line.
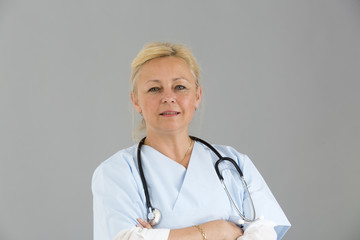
169 113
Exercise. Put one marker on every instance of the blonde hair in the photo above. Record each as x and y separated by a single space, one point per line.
157 50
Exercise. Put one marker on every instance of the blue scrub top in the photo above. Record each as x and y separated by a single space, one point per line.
185 197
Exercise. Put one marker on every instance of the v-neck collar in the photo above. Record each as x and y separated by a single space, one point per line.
163 157
166 174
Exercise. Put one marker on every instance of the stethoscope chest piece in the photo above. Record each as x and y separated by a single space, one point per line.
154 216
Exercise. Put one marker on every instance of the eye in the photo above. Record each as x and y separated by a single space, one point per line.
180 87
154 89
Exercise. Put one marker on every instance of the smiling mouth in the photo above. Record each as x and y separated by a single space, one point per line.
169 113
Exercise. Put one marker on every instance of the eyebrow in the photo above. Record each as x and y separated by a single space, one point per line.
174 79
180 78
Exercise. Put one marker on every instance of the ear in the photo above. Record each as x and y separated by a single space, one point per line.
135 102
198 96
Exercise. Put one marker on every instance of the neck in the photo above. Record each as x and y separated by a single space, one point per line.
177 147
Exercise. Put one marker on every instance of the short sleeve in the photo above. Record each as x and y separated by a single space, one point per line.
264 201
117 200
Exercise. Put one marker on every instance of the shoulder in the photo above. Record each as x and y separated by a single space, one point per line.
121 163
226 151
229 150
124 156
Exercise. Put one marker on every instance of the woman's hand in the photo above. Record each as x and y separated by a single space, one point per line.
143 223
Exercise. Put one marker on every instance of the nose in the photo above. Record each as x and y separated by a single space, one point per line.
168 97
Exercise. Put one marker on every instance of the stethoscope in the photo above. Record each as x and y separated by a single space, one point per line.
154 214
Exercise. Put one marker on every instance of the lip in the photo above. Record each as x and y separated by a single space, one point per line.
169 113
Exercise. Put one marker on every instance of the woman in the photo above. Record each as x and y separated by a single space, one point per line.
179 171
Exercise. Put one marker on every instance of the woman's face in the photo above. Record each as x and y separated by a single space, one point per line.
166 95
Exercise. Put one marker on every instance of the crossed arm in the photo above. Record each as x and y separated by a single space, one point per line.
218 229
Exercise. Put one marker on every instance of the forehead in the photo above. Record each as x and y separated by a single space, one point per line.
164 68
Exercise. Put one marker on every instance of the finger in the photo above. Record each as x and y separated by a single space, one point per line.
152 223
147 225
144 223
141 221
241 232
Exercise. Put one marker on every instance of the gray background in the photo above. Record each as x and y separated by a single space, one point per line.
281 83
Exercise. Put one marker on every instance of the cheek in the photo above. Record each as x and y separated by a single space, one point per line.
148 104
189 103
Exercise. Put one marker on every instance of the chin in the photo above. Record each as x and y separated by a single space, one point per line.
172 128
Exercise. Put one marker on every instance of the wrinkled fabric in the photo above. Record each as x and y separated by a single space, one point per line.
185 197
143 234
260 230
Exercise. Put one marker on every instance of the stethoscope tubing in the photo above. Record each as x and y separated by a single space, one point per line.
221 158
151 210
142 175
